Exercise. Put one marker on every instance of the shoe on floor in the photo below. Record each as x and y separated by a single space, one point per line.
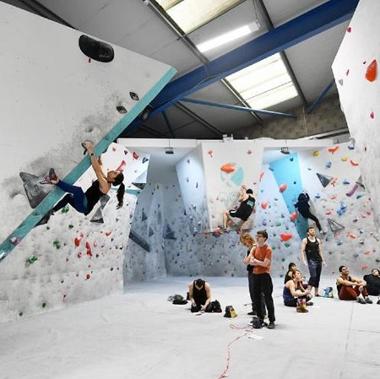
257 323
361 300
271 325
368 300
252 313
378 302
309 303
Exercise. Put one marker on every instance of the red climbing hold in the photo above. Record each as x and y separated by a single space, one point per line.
283 187
88 276
135 155
77 241
108 234
349 29
353 163
88 249
261 175
371 73
228 168
333 150
372 115
285 236
210 153
264 205
293 216
121 166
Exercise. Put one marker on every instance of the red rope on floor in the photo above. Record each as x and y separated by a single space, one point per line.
224 373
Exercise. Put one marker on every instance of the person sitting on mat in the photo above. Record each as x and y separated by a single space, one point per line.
84 202
199 295
295 295
351 288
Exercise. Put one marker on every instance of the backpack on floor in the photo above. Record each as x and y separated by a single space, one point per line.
328 292
214 307
178 300
230 312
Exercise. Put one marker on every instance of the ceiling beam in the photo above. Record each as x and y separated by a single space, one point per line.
309 24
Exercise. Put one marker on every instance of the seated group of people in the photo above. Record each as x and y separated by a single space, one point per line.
298 294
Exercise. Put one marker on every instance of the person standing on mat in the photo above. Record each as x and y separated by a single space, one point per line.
261 260
199 295
84 202
311 255
247 240
245 209
303 207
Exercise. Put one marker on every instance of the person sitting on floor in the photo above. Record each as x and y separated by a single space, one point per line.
373 283
351 288
289 274
199 295
295 295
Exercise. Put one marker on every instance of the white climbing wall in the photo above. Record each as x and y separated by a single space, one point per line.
227 166
52 97
356 74
72 259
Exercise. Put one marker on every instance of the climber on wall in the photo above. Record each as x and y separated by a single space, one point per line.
244 211
303 207
84 202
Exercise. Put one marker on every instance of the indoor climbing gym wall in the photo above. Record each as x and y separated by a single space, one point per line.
228 166
73 257
331 176
356 74
56 93
53 96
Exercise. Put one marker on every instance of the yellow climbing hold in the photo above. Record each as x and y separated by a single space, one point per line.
316 153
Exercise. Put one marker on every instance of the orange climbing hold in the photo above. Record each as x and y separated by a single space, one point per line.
333 150
285 236
371 72
228 168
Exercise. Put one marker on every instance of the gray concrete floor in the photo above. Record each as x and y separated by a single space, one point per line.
141 335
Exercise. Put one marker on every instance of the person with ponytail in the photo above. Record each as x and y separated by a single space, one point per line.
84 202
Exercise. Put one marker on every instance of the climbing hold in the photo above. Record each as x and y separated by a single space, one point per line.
354 163
293 216
371 72
286 236
210 153
135 155
77 241
283 187
333 150
324 179
134 96
88 276
228 168
349 29
316 153
264 205
30 260
261 175
344 159
57 244
328 164
372 115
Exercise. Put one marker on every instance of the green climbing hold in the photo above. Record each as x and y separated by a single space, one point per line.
71 226
287 244
57 244
30 260
65 209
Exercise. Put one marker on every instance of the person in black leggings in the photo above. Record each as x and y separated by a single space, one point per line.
312 249
303 207
84 202
199 295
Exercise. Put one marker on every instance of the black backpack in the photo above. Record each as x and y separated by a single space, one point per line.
214 307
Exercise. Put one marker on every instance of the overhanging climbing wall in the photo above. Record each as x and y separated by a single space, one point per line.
356 74
53 97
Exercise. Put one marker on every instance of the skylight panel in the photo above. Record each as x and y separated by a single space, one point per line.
265 83
191 14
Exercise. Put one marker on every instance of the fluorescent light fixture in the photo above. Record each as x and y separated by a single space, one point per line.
225 38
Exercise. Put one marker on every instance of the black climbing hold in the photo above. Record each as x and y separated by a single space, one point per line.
96 50
134 96
121 109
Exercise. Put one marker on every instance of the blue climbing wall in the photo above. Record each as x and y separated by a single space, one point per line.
287 174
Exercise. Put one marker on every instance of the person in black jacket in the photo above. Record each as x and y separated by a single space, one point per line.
373 283
303 207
